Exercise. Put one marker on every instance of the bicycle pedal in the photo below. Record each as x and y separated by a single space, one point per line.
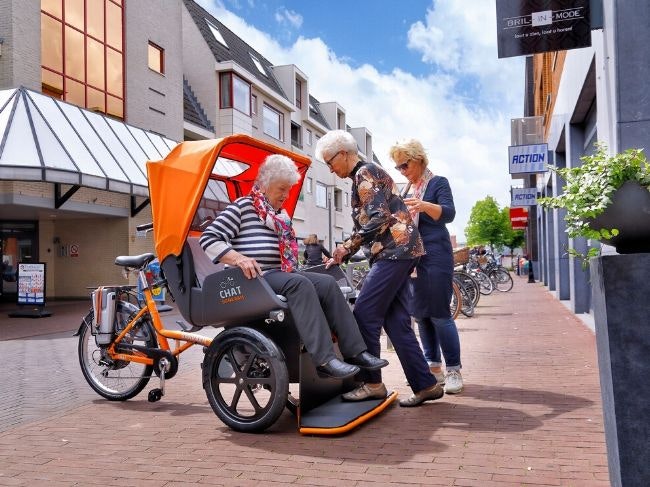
155 395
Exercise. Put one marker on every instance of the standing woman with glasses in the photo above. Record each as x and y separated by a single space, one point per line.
431 205
384 229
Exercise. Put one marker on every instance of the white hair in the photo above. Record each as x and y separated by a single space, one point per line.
333 142
277 167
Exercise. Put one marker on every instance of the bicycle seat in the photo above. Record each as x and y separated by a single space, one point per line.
134 260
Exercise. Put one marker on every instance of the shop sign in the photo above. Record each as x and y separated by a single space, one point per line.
523 197
528 158
518 218
31 283
532 26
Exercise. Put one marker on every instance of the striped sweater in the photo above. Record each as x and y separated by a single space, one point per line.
239 227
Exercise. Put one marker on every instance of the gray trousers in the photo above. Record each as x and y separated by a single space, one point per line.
318 309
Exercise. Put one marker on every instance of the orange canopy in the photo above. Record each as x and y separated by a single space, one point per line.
177 183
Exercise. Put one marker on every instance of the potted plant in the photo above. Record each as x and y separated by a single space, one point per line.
607 198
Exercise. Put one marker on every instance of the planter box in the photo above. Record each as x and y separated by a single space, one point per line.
621 301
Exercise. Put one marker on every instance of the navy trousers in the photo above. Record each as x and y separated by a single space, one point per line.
384 303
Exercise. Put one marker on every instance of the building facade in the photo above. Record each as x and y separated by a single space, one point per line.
128 79
584 96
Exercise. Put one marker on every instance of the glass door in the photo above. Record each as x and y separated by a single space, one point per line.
18 243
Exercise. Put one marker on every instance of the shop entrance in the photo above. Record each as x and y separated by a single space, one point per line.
18 243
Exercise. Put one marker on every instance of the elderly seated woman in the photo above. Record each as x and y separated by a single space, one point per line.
255 234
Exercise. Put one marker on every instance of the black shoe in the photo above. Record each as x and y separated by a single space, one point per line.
337 369
367 361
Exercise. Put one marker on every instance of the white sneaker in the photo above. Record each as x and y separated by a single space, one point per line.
440 376
453 382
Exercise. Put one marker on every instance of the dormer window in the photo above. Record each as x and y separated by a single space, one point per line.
215 32
258 65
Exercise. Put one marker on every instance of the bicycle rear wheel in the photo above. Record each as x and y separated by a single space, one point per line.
116 380
471 285
502 280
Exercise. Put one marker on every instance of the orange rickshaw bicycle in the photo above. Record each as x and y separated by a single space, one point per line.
249 365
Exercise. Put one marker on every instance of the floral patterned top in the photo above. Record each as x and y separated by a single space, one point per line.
382 223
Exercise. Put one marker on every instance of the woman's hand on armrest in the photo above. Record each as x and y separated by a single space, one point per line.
248 265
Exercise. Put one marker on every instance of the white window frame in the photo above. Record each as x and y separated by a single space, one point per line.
308 137
216 33
269 109
321 195
308 185
258 65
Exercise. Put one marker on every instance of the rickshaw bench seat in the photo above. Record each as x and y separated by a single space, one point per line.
209 294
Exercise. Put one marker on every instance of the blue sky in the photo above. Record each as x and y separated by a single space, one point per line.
413 69
380 41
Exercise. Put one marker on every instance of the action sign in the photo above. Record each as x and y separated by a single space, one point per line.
528 158
532 26
524 197
31 283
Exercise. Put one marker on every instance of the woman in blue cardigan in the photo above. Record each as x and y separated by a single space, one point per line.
431 205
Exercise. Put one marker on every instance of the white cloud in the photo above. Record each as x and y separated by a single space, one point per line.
285 16
466 136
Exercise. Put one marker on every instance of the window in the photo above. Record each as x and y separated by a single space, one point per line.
156 58
296 132
82 57
258 65
273 121
298 93
234 93
347 199
321 195
215 32
338 199
254 104
308 137
307 185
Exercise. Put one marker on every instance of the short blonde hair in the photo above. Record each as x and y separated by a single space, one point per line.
411 148
311 239
277 167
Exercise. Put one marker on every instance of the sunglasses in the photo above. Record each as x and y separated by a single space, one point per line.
403 166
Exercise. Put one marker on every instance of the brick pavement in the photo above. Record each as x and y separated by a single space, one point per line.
530 415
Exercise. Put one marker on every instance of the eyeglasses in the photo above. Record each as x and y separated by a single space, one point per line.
402 167
329 162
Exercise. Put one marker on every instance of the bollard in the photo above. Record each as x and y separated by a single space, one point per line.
531 276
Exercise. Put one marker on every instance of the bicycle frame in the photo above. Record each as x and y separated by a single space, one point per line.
163 334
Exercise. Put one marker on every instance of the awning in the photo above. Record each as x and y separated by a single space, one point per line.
45 139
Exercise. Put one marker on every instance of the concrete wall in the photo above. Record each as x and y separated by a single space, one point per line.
20 27
154 101
199 68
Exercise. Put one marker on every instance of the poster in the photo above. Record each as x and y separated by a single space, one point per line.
31 283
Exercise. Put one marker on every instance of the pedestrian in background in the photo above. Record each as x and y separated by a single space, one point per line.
385 230
315 253
431 205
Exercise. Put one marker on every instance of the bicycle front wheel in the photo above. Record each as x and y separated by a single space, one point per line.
456 300
116 380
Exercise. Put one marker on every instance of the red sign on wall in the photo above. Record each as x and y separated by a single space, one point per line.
519 218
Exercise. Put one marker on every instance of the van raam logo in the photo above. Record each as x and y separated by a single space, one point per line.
230 292
532 26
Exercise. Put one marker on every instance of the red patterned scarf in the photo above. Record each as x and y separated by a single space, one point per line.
281 223
419 189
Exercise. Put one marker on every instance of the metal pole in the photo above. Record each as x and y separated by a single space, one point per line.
329 214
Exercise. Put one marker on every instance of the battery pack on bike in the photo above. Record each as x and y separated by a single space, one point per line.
104 314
